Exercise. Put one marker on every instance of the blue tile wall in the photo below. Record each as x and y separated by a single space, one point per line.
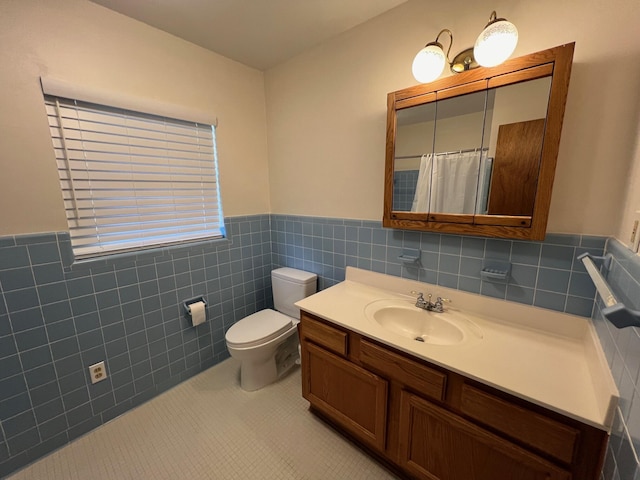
404 189
57 318
544 274
622 349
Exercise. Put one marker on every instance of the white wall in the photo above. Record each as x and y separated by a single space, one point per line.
632 200
82 42
326 108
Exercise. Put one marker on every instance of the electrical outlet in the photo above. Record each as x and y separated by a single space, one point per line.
97 372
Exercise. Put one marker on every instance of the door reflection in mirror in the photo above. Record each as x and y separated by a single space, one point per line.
515 141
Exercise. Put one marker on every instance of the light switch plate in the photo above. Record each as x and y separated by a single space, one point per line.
634 239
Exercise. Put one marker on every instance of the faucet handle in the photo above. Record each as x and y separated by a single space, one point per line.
438 307
420 301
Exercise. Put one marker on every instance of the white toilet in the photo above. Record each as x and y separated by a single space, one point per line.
266 342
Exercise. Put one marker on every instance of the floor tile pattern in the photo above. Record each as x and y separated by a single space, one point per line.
208 428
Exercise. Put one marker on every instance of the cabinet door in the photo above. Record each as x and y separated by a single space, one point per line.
351 396
438 445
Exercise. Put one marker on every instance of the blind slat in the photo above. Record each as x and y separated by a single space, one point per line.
106 157
132 180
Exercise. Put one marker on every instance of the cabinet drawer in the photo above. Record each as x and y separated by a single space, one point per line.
324 335
429 382
536 430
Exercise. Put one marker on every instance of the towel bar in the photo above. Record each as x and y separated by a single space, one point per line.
614 311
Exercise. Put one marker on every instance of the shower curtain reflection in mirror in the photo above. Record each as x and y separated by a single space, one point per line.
455 182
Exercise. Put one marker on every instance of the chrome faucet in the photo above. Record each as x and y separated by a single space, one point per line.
421 302
427 304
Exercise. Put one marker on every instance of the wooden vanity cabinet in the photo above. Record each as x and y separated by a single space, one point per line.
430 423
347 393
437 444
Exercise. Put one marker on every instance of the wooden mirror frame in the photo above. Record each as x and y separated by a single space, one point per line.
555 62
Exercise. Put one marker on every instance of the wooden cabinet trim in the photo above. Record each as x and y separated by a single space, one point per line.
419 100
324 335
535 430
337 399
427 381
525 74
521 221
438 427
458 218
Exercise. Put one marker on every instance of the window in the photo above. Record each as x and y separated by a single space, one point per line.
133 180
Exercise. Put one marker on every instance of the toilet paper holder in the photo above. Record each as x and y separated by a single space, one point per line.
187 303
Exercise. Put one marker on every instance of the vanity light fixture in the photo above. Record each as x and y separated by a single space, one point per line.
494 45
496 42
429 62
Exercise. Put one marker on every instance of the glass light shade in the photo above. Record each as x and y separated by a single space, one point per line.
495 43
428 63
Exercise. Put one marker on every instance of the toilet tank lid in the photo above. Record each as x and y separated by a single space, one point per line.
257 328
294 275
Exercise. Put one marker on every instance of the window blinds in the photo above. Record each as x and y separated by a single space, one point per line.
132 180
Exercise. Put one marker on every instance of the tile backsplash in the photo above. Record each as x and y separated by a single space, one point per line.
544 274
622 349
57 318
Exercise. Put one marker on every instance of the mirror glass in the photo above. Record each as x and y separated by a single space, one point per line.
477 153
414 138
458 154
515 132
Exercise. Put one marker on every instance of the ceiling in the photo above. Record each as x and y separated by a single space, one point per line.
257 33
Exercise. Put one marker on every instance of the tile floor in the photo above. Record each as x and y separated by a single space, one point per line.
208 428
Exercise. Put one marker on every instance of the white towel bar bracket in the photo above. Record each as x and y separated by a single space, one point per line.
614 311
604 260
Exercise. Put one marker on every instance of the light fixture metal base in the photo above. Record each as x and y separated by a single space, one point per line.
464 61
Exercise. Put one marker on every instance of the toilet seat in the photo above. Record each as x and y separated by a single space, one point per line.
257 329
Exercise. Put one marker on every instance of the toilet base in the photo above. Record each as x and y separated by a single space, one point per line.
256 373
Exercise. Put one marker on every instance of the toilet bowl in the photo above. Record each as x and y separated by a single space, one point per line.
266 342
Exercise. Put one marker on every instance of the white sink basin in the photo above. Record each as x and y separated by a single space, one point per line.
403 318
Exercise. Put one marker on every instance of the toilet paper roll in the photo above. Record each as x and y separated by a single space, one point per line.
198 313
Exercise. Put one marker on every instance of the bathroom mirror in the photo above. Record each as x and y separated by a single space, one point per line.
476 153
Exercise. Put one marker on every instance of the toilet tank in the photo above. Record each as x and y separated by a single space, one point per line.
290 285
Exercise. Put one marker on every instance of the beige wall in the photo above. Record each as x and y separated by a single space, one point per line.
326 108
632 201
82 42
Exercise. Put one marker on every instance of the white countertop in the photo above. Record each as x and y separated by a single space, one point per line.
549 358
